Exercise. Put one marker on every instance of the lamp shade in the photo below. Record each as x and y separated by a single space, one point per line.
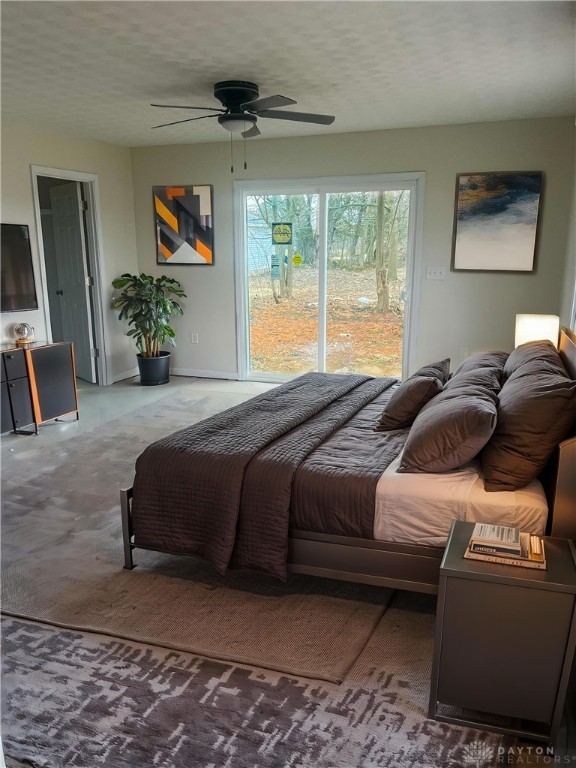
237 123
536 328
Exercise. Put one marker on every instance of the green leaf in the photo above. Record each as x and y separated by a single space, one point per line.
120 282
146 304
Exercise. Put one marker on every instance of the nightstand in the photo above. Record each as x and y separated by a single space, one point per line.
505 639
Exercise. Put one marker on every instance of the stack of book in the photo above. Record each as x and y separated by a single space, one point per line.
508 546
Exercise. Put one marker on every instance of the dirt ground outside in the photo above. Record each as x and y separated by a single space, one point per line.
283 336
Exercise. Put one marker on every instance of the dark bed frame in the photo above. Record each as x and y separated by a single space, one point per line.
406 566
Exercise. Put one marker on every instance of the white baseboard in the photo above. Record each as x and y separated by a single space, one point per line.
125 375
194 372
203 374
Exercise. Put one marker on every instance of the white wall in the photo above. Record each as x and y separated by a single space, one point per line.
466 310
23 147
568 308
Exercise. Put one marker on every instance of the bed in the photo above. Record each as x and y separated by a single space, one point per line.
351 477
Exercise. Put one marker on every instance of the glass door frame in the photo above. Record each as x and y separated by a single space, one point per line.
322 186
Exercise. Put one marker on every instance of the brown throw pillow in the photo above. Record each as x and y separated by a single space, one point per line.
407 402
532 367
483 377
441 370
450 431
539 352
482 360
536 411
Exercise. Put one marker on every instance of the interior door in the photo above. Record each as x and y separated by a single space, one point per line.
73 279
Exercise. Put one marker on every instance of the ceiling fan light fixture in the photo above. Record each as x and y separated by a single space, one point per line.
237 123
242 107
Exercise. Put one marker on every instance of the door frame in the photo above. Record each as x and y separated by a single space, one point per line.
93 254
318 185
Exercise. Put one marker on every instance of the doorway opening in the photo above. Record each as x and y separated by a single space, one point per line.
65 207
326 275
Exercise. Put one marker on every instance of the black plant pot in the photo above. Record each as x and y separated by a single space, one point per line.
154 370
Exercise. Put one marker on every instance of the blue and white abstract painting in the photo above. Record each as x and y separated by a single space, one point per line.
496 220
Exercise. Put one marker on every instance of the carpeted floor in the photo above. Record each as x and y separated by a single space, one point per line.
313 627
83 701
63 565
80 700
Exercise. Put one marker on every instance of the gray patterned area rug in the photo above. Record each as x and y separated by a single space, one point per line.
82 701
62 563
72 699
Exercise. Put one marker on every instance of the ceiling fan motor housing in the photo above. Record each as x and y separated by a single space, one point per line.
232 93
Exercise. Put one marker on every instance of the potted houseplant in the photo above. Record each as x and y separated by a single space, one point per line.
148 303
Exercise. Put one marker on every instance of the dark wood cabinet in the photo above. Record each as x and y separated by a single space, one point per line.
39 384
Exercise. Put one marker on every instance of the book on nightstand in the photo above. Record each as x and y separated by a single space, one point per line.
507 546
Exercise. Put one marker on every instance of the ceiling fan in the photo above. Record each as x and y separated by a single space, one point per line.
242 108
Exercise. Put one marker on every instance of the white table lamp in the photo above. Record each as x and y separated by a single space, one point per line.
536 327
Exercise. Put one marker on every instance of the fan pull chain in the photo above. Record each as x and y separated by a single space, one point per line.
231 156
245 165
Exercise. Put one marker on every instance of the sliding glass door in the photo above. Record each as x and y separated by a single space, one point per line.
324 275
366 281
282 283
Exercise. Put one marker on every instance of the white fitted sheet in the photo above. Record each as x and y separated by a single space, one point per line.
420 508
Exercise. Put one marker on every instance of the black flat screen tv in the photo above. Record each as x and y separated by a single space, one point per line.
17 286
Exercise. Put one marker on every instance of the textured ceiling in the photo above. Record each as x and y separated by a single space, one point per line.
92 68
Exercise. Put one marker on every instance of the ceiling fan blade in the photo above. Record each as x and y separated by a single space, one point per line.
189 120
181 106
254 131
268 103
300 117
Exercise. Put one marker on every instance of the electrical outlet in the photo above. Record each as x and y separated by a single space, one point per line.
435 273
194 338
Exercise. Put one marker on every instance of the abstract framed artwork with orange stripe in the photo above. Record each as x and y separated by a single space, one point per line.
184 226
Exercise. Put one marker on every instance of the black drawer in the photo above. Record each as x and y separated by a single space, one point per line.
6 412
3 369
15 364
21 403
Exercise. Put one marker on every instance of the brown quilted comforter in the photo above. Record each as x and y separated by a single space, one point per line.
222 489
